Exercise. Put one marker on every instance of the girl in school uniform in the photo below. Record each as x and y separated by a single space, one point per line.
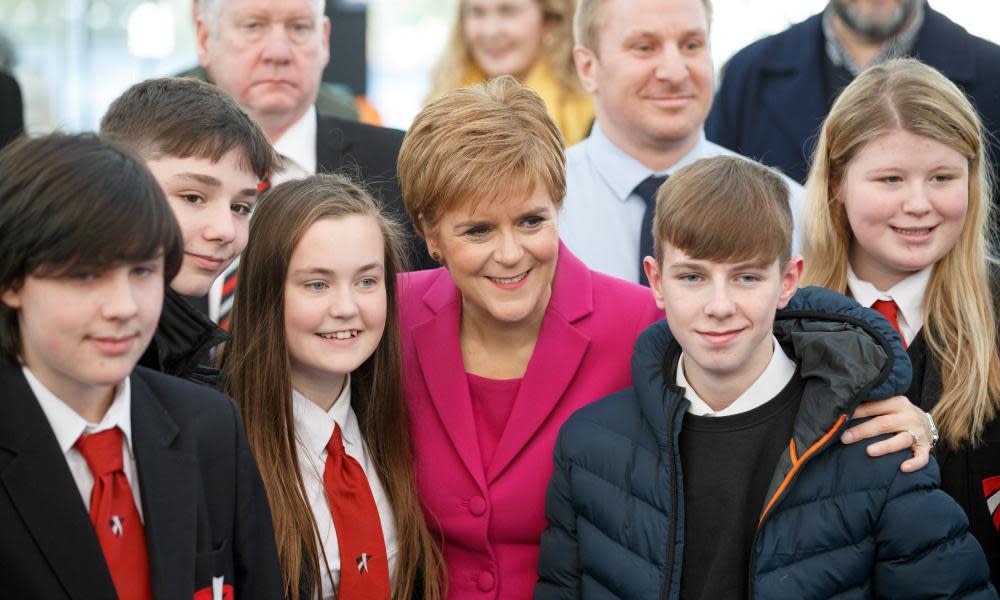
314 364
898 203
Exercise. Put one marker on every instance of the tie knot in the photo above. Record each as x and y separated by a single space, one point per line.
335 446
102 451
647 189
887 308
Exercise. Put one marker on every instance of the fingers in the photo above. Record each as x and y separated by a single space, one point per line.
892 415
921 456
900 441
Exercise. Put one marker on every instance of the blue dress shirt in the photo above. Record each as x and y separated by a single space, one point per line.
601 218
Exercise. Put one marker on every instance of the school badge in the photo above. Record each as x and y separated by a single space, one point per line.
991 488
363 562
117 525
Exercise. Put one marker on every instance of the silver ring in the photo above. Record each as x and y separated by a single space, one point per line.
916 438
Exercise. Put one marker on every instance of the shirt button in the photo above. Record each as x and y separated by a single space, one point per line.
477 505
486 581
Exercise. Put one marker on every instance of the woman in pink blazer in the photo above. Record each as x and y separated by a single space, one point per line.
508 339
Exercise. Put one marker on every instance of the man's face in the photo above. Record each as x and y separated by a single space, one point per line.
267 54
651 74
876 20
212 202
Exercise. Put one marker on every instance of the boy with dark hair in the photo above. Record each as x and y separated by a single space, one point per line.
212 161
719 473
115 481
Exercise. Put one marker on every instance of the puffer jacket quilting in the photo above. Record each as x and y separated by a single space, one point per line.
840 523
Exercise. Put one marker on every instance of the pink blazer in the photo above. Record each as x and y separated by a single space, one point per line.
491 517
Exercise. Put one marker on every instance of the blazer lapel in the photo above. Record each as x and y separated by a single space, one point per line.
43 492
555 360
170 484
331 145
439 353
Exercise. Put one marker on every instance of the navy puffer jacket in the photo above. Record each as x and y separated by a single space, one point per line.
836 523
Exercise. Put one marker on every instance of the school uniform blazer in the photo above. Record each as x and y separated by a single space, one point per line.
491 518
203 503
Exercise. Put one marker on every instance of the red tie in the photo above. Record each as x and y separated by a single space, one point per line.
364 565
114 515
889 310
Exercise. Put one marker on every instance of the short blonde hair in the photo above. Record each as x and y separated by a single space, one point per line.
961 325
587 21
725 209
486 142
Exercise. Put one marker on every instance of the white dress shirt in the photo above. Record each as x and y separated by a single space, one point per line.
766 387
68 426
297 147
313 428
601 218
908 295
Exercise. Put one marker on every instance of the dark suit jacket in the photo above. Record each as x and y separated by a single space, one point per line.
11 110
368 153
773 95
204 506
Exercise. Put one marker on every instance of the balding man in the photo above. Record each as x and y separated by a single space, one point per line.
648 65
269 56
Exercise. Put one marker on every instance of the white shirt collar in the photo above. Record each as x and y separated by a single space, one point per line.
298 143
775 377
314 426
908 295
622 172
68 425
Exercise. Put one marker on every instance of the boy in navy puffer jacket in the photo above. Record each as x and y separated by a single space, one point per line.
719 473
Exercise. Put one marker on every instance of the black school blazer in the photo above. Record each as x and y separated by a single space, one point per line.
203 500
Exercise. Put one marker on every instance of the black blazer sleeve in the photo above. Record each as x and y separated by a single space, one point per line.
11 110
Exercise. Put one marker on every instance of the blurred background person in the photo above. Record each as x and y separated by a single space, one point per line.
775 93
529 39
331 99
11 103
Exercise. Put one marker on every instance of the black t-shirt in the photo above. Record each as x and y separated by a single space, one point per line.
727 466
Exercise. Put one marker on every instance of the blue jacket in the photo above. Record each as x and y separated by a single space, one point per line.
773 99
836 523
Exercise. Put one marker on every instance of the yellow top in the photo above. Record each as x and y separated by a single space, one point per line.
573 112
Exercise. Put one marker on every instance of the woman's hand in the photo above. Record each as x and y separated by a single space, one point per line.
893 415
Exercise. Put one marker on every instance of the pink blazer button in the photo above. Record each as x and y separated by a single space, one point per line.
477 506
486 581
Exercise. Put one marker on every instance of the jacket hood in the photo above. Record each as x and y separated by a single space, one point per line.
847 354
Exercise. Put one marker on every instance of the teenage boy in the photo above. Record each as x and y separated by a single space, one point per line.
115 481
719 473
211 161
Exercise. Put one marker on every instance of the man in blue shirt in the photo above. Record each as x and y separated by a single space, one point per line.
648 65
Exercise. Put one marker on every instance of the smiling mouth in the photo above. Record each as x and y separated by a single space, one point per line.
913 231
340 335
510 280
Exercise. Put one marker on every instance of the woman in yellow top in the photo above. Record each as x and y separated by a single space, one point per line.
529 39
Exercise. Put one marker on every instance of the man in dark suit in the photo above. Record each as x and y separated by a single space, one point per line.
776 92
270 58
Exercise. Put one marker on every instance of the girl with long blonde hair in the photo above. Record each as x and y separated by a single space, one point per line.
898 202
529 39
314 365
